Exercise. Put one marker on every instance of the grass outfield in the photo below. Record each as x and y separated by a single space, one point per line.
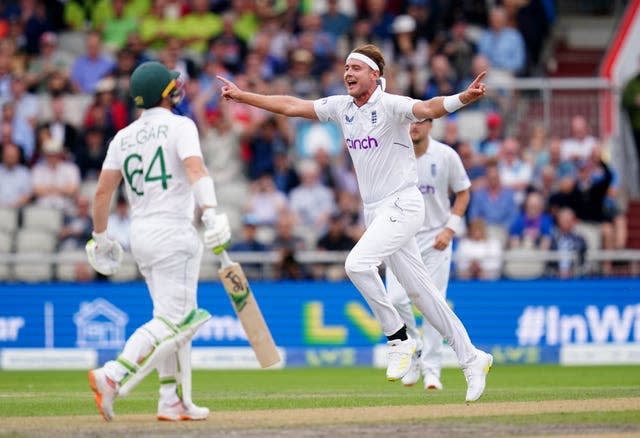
524 397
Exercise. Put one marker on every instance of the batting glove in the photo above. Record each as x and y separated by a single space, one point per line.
217 233
104 254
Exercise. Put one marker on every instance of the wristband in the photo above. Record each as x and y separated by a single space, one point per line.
454 223
452 103
204 192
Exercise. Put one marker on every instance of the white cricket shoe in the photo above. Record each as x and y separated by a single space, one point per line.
105 391
432 382
413 375
400 353
476 375
181 412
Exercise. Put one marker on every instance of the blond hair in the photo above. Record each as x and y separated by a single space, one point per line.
374 53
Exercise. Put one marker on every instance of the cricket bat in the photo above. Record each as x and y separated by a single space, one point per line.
244 303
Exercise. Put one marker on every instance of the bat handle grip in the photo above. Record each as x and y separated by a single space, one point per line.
224 259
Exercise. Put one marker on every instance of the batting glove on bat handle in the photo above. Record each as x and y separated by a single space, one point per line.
217 234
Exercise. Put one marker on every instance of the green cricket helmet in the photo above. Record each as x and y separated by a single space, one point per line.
151 82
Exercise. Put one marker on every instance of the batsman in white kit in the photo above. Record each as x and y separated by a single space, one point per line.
375 126
164 174
440 171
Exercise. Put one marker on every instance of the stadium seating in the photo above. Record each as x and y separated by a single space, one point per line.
8 219
524 264
38 217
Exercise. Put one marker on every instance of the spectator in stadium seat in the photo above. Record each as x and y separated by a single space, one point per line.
350 208
478 256
475 171
268 138
50 60
536 150
287 243
502 45
106 111
155 26
311 202
59 128
411 57
117 24
336 238
248 241
33 16
533 227
488 147
230 48
566 240
564 168
515 173
494 203
25 103
77 227
265 202
17 131
89 68
335 21
90 153
631 104
451 135
15 178
459 48
580 143
56 180
284 174
442 80
119 225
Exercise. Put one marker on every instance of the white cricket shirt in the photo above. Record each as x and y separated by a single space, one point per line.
377 136
439 170
150 153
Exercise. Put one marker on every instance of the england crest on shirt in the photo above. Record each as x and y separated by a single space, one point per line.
348 119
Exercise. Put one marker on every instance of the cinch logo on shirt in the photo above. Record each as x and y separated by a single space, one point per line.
427 189
362 143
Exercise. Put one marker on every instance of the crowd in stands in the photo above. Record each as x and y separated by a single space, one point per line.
64 69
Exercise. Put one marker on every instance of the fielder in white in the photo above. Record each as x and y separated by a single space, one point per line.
375 126
440 169
160 159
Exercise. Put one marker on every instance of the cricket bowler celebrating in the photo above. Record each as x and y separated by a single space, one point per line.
439 169
160 159
375 126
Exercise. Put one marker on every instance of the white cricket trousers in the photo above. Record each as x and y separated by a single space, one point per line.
438 264
168 254
390 237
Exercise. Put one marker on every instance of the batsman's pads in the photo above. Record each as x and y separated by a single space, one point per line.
217 235
182 334
104 254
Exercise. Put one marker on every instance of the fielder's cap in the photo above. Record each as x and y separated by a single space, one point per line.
52 146
403 24
151 82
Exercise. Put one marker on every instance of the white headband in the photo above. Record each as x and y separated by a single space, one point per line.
371 63
364 58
